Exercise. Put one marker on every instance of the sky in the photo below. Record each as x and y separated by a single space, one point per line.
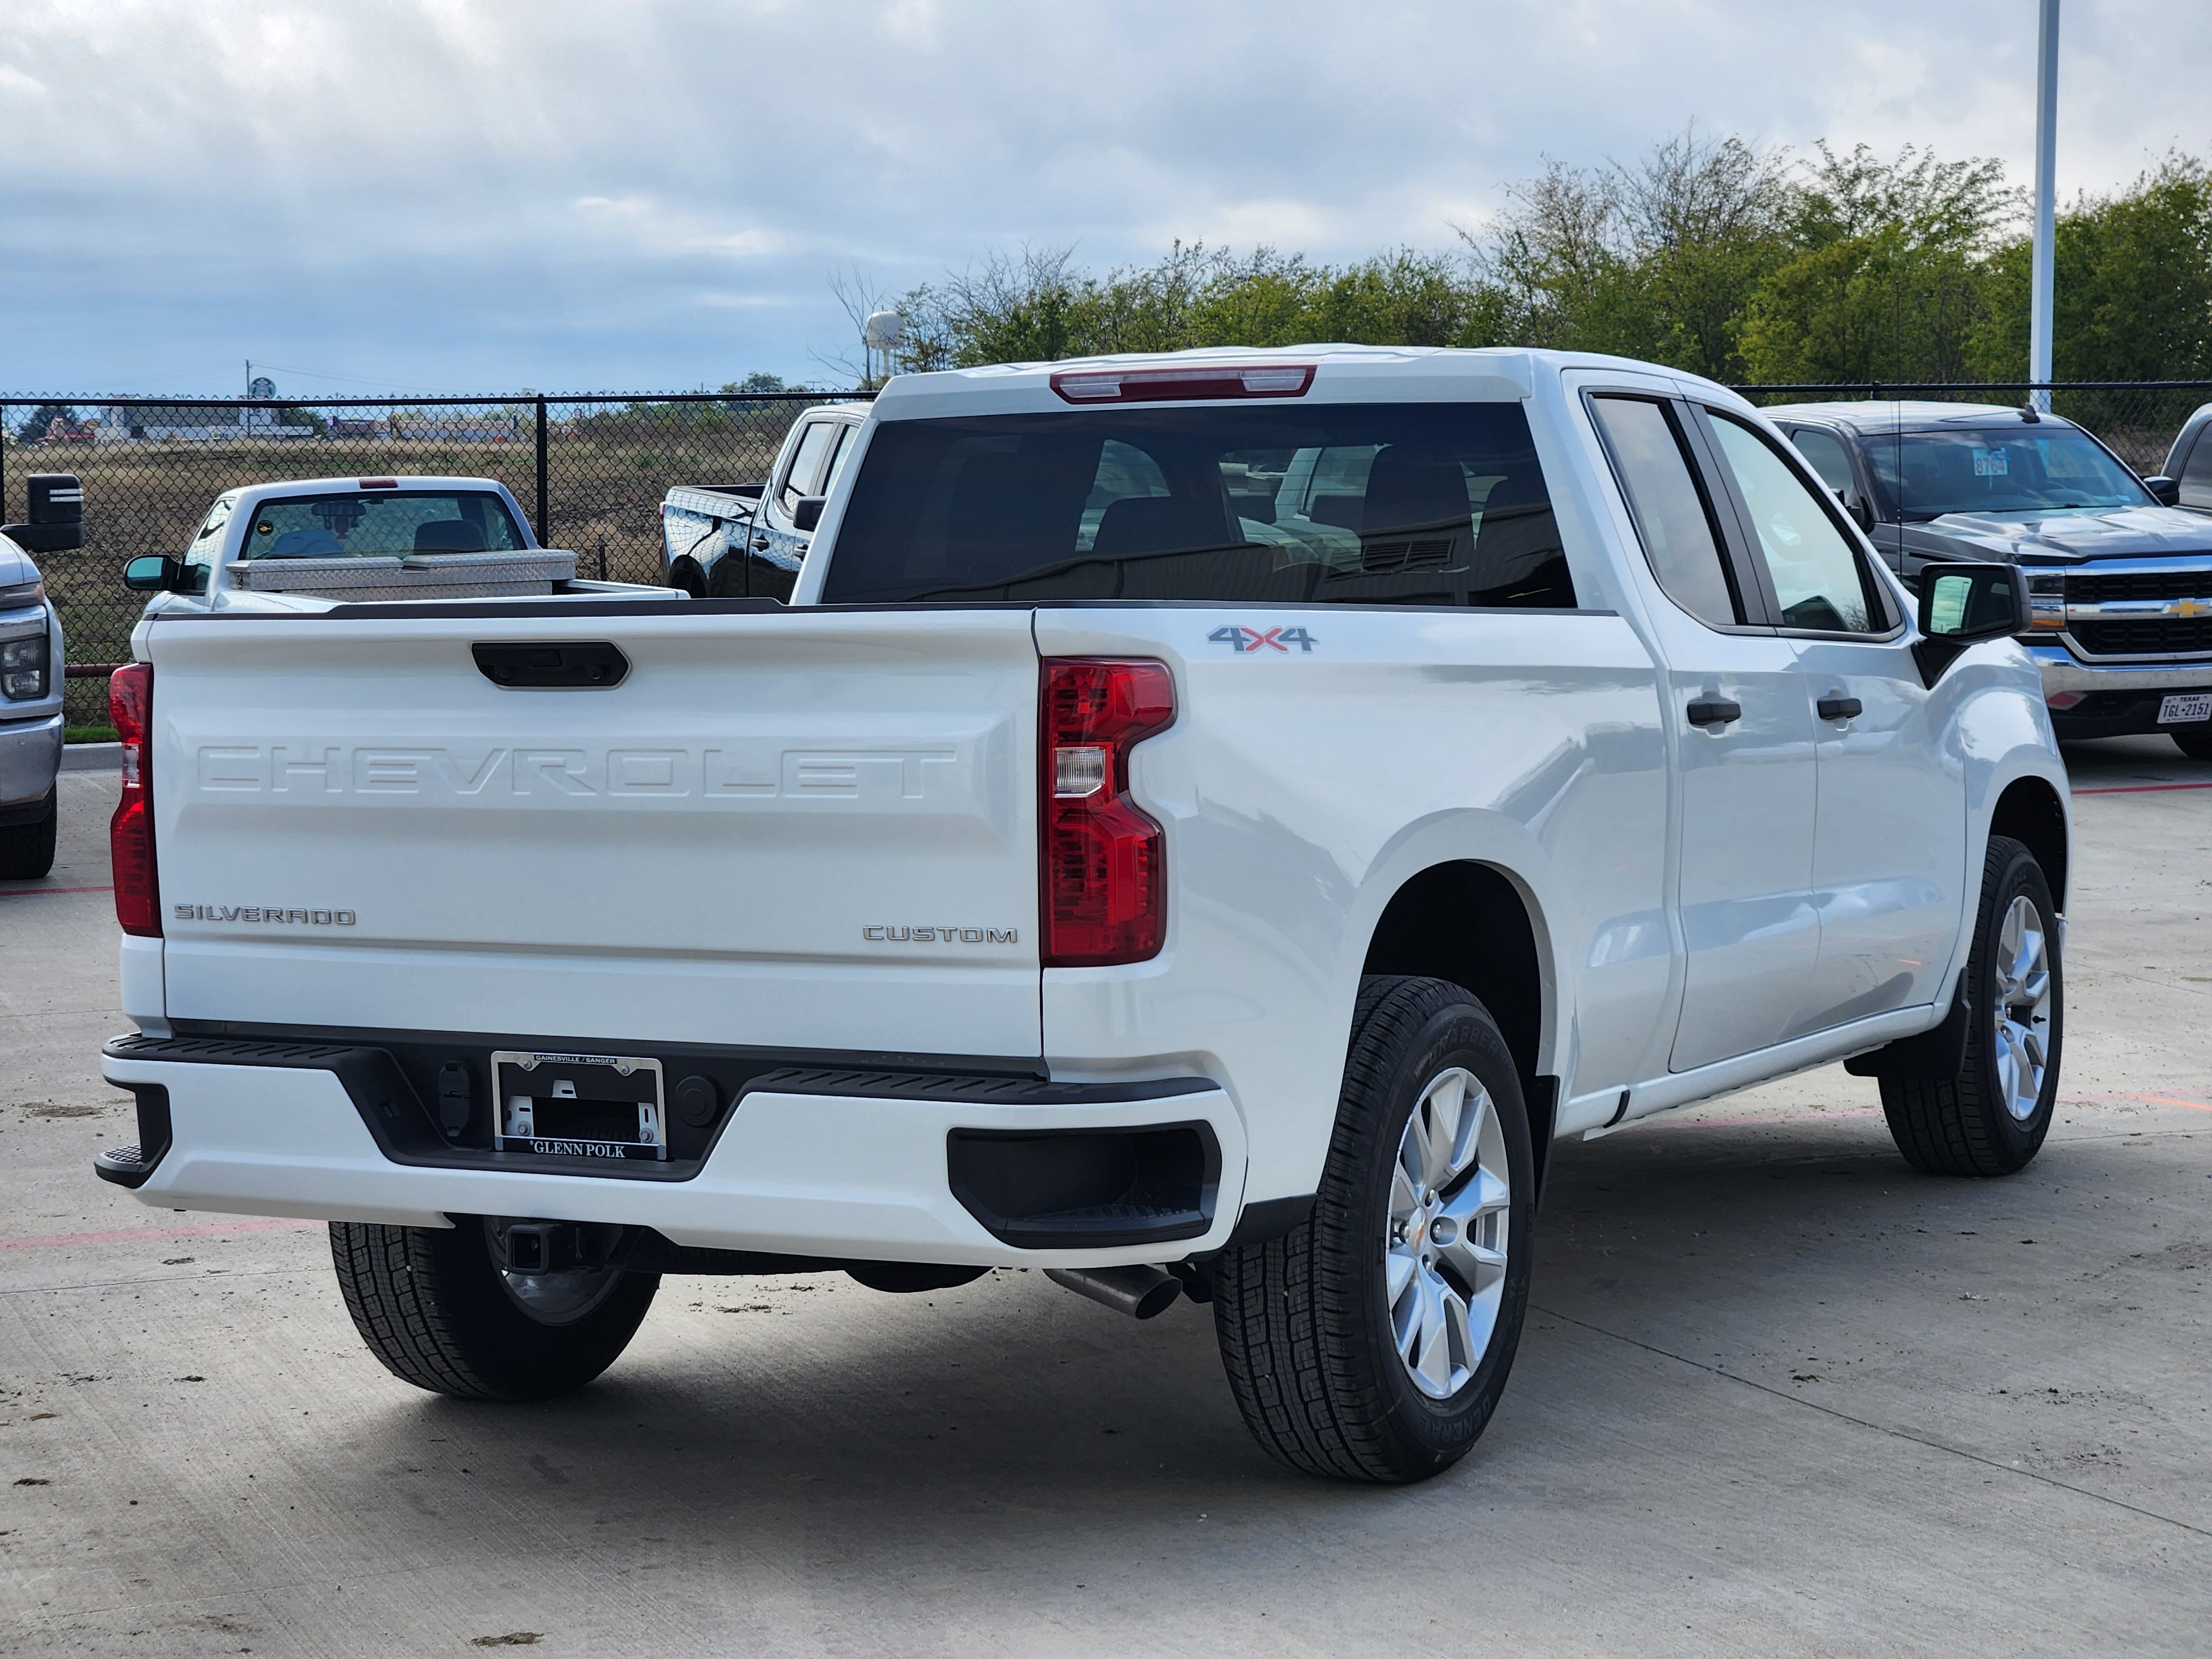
424 196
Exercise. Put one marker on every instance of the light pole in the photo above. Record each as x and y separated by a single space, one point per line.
2046 166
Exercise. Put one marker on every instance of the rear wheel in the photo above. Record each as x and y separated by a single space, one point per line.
435 1306
2194 740
26 850
1372 1342
1991 1119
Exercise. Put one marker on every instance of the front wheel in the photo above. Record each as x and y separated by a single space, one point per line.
436 1307
1992 1117
1373 1341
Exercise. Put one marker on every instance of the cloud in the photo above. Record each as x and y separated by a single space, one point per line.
569 194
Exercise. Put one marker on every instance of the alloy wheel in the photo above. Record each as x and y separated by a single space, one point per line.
1445 1253
2022 1029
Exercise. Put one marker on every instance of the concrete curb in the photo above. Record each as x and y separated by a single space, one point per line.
92 757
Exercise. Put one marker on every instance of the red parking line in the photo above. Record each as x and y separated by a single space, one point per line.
33 892
124 1236
2140 788
2169 1100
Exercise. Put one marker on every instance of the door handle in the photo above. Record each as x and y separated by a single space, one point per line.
1840 709
760 543
1714 711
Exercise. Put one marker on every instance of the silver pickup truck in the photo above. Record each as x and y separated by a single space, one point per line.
31 675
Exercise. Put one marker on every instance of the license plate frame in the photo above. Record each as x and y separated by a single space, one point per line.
580 1106
2185 708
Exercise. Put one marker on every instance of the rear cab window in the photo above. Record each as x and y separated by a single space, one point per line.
379 524
1429 504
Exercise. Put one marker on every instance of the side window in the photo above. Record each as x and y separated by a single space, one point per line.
208 536
806 463
2197 473
1824 453
1679 537
849 439
1818 580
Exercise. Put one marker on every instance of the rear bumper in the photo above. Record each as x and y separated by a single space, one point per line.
812 1162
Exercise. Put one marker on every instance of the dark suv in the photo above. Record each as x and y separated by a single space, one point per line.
2119 581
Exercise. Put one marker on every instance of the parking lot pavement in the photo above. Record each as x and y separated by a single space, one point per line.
1777 1395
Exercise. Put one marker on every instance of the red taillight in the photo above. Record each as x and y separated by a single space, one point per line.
376 483
1180 385
1103 859
131 832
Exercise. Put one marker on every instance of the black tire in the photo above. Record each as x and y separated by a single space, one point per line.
1962 1125
2193 740
1305 1320
26 850
432 1306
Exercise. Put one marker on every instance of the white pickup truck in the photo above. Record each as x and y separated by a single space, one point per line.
1204 824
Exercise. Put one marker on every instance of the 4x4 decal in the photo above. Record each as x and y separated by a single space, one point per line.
1252 639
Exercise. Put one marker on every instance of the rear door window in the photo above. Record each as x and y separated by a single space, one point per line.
1681 540
1337 503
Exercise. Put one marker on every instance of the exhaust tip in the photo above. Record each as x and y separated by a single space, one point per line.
1141 1292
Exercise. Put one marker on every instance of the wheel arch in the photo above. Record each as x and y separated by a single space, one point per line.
2031 811
1474 924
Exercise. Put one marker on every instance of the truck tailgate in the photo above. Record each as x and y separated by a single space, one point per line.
800 829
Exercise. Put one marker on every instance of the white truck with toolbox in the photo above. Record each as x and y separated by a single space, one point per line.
1203 825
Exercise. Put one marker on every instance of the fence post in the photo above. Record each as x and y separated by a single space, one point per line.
540 526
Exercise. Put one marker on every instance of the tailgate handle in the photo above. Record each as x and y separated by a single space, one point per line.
553 665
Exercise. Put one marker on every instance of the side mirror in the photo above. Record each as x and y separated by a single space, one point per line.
1962 604
806 512
2169 490
57 523
1858 506
154 573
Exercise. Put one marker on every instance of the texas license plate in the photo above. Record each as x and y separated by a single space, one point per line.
580 1106
2187 707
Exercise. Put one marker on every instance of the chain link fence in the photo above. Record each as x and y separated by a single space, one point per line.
2139 419
590 470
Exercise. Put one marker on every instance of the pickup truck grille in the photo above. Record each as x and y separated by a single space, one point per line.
2150 636
2185 596
2102 588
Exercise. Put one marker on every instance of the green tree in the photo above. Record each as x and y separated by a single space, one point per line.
37 423
1888 275
1655 260
2131 281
